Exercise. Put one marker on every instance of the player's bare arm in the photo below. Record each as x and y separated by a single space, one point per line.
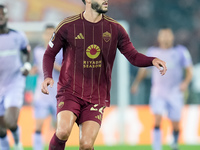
188 77
161 65
45 84
142 73
33 70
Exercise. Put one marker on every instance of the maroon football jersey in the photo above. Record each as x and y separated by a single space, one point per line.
89 51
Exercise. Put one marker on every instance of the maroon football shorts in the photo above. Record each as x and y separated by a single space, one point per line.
84 110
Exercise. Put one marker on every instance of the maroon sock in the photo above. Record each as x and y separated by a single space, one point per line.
56 143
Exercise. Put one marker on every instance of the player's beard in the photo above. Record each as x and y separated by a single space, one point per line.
2 26
97 7
3 23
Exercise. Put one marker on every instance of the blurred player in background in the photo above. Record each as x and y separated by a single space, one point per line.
167 91
44 104
89 41
12 79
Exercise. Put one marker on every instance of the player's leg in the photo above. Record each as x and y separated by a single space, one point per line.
157 135
40 113
175 108
11 117
65 122
157 105
37 137
13 103
89 121
4 143
88 133
175 125
68 110
52 109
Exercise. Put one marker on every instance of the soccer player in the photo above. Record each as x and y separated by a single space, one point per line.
89 41
44 104
167 91
12 79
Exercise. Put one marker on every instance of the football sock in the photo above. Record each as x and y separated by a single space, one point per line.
56 143
175 135
16 134
4 144
37 141
157 142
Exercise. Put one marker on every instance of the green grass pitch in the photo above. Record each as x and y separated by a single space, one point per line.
143 147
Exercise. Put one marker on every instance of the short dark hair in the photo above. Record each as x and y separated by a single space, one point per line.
4 8
83 1
49 26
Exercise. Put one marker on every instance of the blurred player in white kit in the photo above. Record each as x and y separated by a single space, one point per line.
44 105
167 92
12 79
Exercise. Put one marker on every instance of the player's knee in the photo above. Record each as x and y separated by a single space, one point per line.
176 128
86 145
62 134
157 127
38 128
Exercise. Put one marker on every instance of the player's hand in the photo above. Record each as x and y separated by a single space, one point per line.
45 84
161 65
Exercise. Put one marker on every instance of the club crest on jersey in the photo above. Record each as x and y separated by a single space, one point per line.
106 36
60 105
93 51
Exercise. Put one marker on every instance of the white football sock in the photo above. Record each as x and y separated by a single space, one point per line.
37 141
157 139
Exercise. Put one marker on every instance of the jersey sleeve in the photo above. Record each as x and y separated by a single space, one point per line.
186 57
55 44
24 41
128 50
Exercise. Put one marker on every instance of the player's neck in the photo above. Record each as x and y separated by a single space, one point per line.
3 30
164 46
92 16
